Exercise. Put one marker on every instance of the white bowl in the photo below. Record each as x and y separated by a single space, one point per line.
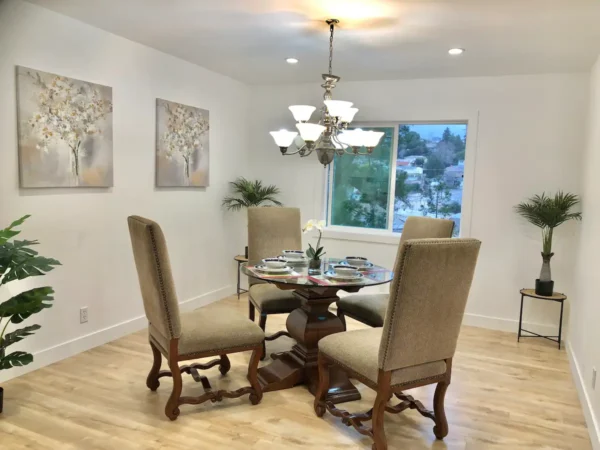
274 263
345 270
293 254
358 261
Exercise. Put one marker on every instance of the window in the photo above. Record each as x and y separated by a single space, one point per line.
361 186
417 169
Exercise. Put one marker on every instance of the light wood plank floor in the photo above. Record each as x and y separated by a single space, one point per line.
504 395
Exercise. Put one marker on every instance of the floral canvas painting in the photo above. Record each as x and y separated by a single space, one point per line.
182 141
65 131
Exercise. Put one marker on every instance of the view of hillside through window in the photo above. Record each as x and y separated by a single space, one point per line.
429 172
427 178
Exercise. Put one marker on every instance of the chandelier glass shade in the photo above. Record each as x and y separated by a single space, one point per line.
330 136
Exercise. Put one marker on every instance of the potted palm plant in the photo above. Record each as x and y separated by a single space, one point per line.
547 213
251 193
17 262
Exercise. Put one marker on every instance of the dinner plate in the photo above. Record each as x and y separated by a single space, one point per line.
335 276
288 260
368 265
263 268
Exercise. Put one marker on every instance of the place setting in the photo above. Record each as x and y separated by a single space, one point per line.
281 265
359 262
344 272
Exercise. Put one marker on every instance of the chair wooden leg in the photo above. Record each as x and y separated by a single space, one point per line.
323 387
152 380
257 395
342 317
263 324
251 310
441 423
224 365
383 396
172 408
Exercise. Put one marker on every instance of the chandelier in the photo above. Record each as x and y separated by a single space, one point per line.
330 136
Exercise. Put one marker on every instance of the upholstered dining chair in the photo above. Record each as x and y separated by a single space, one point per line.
271 230
416 345
205 332
370 308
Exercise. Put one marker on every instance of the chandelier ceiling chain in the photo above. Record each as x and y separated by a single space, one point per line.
331 23
330 136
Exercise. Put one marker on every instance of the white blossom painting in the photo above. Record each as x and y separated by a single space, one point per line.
182 141
65 131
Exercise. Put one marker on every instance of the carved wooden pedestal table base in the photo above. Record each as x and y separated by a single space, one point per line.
309 324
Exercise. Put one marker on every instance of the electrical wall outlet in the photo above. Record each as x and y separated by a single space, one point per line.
83 315
594 378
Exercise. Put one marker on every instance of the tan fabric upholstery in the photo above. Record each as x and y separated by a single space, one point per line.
212 328
270 299
427 301
271 230
417 227
369 308
154 275
358 350
372 308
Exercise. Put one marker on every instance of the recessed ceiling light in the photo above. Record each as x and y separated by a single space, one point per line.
292 61
456 51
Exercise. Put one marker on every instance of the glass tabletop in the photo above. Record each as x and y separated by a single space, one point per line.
298 273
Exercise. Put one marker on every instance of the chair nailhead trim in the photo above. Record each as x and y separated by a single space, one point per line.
163 294
403 263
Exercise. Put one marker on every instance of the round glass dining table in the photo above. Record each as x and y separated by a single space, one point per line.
317 290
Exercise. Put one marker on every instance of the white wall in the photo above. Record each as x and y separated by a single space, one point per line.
527 133
585 310
86 229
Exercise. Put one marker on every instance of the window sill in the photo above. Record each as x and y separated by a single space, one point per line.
356 234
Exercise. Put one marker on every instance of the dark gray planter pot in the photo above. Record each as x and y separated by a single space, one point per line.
544 284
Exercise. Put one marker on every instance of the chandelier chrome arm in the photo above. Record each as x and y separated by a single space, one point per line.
304 150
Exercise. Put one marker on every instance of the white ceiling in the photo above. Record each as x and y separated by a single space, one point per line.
378 39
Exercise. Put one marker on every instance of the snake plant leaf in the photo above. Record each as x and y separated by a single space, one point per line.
18 335
21 306
15 359
9 232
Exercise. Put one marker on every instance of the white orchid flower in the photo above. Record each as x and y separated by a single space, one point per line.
320 225
309 226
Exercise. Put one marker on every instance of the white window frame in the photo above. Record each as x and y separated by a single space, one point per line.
387 235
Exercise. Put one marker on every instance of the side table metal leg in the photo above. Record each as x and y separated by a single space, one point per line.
520 319
238 281
562 304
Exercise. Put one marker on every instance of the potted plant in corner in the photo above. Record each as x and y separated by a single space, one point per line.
547 213
314 254
250 193
17 262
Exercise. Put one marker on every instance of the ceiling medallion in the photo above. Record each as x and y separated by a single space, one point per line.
330 136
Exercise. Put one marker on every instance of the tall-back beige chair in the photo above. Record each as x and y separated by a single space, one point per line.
271 230
370 309
205 332
416 345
